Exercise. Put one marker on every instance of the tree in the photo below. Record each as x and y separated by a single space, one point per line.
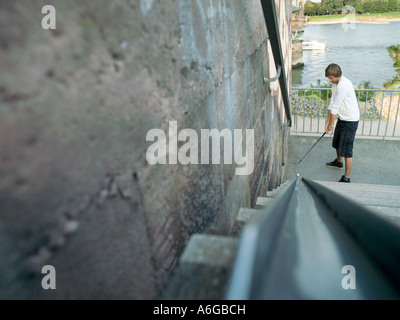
337 6
383 5
360 8
308 8
393 5
394 53
313 8
328 7
376 6
319 10
351 2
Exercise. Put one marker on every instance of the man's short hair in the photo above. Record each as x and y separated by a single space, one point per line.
333 70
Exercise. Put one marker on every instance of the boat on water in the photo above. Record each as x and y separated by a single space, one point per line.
314 45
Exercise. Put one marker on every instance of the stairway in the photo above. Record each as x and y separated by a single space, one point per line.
206 263
382 199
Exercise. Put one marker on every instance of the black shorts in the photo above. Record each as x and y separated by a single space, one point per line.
343 138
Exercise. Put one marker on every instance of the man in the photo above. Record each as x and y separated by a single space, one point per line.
344 106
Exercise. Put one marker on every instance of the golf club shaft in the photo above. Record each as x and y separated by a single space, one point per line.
312 147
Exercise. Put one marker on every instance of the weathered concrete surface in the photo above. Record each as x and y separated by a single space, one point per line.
76 104
204 269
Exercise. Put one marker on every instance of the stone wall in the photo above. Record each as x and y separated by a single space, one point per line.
77 191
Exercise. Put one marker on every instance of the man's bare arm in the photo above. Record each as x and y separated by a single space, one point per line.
329 122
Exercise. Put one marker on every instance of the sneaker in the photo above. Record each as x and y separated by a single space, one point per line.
335 164
344 179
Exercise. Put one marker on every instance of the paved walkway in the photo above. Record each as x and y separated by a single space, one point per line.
374 161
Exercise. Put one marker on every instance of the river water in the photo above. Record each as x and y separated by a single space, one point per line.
359 49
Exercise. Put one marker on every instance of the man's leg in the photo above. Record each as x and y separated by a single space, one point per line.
347 147
338 157
348 166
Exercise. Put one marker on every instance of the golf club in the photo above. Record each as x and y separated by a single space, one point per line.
312 147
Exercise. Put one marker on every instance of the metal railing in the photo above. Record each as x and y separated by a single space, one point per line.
379 111
298 245
272 24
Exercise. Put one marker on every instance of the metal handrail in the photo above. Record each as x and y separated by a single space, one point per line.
298 247
379 238
278 74
272 24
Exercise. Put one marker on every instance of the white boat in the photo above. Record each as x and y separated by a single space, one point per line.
314 45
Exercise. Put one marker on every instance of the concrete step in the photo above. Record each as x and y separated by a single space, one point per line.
262 202
204 268
360 186
275 192
245 215
393 214
371 198
368 194
382 199
205 265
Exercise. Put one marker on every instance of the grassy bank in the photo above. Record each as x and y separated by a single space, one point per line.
373 17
